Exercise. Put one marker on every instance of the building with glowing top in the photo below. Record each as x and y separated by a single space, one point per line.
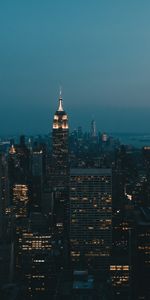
60 164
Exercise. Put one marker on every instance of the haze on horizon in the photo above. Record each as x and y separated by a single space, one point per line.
99 51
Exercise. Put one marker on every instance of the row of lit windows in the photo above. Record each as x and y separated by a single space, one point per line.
25 235
39 260
102 226
102 209
27 248
119 268
74 253
144 247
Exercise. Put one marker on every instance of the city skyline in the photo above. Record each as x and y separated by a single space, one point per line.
74 150
74 215
101 59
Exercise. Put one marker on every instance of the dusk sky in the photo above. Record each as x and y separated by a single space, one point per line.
97 50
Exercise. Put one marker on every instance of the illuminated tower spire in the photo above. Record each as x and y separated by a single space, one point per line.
60 108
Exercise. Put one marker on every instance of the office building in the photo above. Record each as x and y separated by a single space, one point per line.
142 254
35 261
91 217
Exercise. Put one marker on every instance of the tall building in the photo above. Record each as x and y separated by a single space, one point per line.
20 200
19 162
1 208
35 257
142 254
91 217
19 177
4 182
37 175
121 267
93 129
60 165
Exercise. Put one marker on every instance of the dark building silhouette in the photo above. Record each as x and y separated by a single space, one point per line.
60 166
142 253
37 174
4 183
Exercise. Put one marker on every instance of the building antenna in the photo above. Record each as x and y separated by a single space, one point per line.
60 108
60 92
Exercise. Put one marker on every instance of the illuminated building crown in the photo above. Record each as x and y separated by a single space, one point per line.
60 118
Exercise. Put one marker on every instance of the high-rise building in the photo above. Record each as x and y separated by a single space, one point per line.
142 254
19 162
37 175
60 165
93 129
91 217
121 262
35 257
19 177
37 167
60 134
20 200
4 182
1 208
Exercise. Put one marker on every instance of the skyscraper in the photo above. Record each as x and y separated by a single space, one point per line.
20 200
142 254
60 165
91 217
37 175
93 129
35 256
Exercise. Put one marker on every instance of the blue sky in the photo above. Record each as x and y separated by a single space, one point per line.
99 51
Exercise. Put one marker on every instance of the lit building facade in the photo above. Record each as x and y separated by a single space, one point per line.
91 217
35 259
121 268
20 200
120 276
19 177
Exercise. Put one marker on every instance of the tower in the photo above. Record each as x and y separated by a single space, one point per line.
60 165
93 129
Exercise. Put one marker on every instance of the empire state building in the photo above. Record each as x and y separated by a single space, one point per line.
60 163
